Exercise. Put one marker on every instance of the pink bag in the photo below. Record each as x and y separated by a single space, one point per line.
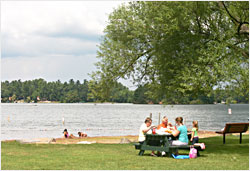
192 153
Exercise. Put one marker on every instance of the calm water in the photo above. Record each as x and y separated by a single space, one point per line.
23 121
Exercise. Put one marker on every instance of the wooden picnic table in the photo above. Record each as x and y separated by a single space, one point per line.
156 142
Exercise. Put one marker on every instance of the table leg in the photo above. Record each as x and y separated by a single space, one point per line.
169 154
240 138
198 153
224 138
141 152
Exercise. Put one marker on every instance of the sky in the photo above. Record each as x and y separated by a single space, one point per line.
53 40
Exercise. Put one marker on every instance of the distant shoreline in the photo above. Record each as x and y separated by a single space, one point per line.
95 103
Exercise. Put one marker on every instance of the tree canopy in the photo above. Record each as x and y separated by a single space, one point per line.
176 48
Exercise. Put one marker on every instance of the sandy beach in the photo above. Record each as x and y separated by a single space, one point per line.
102 139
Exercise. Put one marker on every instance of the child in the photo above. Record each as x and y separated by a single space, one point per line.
194 137
65 133
82 134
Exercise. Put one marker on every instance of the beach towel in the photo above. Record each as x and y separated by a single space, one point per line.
180 156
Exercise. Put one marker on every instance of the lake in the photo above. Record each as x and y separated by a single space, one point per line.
24 121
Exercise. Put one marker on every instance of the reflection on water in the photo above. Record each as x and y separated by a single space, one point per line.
19 121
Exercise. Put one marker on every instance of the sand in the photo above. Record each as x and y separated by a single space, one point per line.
102 139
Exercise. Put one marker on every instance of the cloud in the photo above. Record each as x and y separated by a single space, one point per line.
50 68
37 45
48 28
51 39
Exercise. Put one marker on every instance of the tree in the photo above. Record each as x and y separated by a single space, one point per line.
13 98
140 95
84 90
72 97
177 48
120 94
5 91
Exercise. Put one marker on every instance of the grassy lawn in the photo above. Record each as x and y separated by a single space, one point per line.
217 156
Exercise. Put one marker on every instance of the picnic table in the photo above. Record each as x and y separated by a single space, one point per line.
156 142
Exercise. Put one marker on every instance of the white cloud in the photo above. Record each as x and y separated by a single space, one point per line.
34 28
28 16
51 39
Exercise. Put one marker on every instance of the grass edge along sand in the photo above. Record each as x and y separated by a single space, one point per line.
100 139
217 156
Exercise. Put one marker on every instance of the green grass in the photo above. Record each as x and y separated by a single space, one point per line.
217 156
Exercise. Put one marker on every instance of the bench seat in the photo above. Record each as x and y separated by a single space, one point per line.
137 146
234 128
185 147
170 149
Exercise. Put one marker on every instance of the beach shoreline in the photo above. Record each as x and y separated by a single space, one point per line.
100 139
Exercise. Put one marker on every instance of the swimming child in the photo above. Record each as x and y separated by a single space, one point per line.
194 137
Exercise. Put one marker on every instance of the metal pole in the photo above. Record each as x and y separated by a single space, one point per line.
150 115
159 121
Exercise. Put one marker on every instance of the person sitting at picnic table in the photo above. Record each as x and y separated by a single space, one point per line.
181 131
145 128
165 126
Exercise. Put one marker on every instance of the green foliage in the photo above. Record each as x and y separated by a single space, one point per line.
198 101
16 156
178 48
121 94
89 91
140 95
67 92
41 90
144 95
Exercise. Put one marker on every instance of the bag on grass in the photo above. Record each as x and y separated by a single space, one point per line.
192 153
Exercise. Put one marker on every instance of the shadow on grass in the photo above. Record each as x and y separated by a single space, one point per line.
232 146
214 145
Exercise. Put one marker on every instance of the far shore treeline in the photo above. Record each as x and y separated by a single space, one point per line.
39 90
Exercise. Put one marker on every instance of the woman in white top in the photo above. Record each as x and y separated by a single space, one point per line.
145 128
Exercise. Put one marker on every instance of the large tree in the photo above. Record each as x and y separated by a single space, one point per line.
178 48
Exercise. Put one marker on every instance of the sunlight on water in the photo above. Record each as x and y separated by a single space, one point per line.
22 121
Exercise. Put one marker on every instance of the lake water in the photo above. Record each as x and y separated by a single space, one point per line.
24 121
